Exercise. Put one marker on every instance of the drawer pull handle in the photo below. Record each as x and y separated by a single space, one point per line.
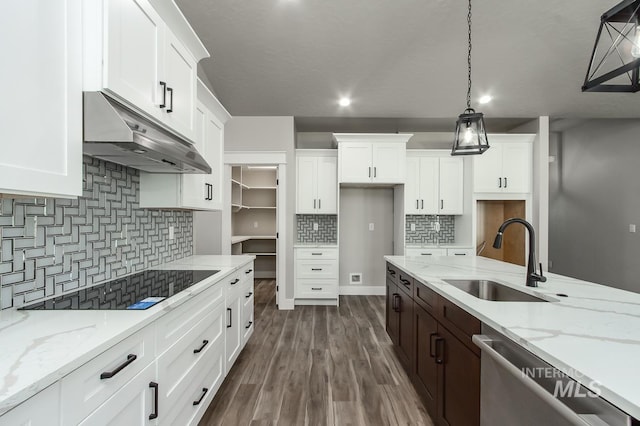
460 254
316 254
249 326
204 343
316 269
230 317
405 282
439 350
391 271
236 281
316 288
248 271
432 346
164 94
154 386
110 374
204 392
426 254
249 295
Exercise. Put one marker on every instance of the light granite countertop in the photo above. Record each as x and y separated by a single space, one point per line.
593 335
37 348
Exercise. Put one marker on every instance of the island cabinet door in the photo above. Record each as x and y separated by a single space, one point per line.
459 381
426 328
392 311
406 337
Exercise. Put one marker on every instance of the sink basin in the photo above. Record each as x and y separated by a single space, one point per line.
491 290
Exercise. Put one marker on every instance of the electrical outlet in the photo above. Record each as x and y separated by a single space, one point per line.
550 263
315 226
632 228
171 233
371 226
255 224
413 227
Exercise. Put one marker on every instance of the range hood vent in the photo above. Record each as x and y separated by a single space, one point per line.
113 132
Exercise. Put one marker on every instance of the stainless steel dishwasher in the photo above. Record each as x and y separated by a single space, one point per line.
517 389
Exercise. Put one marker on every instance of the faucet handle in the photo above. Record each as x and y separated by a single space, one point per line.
539 277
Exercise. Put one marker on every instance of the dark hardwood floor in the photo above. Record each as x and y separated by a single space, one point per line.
317 365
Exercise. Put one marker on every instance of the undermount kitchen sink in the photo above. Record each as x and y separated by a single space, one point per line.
491 290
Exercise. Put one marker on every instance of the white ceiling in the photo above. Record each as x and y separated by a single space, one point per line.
402 58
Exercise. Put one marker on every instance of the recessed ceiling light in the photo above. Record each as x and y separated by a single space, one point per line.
344 102
485 99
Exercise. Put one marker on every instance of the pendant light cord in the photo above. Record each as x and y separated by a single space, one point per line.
469 59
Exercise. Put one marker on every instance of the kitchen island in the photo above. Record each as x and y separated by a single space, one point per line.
589 331
41 348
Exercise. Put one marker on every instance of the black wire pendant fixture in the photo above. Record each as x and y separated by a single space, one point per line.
471 136
615 59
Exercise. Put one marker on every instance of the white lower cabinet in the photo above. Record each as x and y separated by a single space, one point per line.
469 251
42 409
134 404
412 252
316 272
164 374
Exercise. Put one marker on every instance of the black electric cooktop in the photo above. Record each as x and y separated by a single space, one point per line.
138 291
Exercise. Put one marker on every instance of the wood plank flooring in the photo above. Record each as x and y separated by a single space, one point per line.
317 365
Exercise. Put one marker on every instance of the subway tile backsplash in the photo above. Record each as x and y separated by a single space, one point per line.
425 231
49 246
327 232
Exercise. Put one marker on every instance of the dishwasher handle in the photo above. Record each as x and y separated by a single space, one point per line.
484 343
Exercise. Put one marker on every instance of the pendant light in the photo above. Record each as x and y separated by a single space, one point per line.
471 136
615 59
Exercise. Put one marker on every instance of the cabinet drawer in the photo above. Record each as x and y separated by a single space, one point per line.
392 273
176 323
317 289
234 280
316 253
316 269
414 252
459 321
88 387
179 362
426 297
247 320
461 252
405 283
247 273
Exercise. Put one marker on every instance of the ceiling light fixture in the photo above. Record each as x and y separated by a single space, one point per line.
471 136
485 99
344 102
615 58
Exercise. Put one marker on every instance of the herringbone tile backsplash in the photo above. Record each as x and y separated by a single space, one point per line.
425 232
327 232
49 246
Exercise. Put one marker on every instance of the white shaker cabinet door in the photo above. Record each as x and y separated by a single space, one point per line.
487 170
412 186
326 184
355 162
195 192
180 76
233 334
516 167
429 177
389 160
307 200
41 115
134 38
451 186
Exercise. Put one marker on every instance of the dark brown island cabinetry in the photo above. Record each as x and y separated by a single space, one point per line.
435 346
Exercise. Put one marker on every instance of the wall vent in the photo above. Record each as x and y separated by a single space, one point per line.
355 278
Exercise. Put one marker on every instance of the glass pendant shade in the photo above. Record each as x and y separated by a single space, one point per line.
471 136
615 60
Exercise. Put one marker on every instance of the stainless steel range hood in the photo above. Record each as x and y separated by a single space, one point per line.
113 132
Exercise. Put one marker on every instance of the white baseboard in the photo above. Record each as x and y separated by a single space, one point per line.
362 290
287 305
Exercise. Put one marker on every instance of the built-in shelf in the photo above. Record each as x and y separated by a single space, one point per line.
239 183
241 238
240 207
260 254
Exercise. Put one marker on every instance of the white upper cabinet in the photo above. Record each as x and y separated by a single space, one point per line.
193 191
133 52
434 184
316 182
506 167
41 124
371 158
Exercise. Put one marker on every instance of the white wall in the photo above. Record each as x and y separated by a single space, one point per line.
362 250
594 197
